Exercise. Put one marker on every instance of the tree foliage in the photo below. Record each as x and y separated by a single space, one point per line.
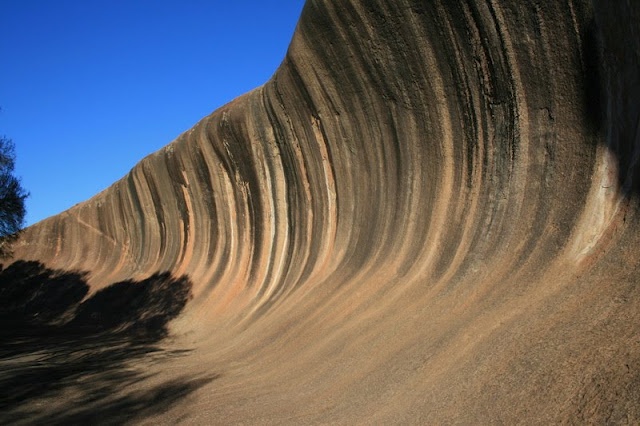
12 196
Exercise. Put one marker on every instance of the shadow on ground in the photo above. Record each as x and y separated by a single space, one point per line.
68 361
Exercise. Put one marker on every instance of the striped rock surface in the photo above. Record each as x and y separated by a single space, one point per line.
428 214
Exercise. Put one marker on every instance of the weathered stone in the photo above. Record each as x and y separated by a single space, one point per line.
428 215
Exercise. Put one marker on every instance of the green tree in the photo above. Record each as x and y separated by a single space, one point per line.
12 196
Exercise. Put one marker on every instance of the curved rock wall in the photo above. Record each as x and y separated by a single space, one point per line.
429 210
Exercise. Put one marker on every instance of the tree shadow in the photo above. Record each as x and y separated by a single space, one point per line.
140 308
34 298
64 360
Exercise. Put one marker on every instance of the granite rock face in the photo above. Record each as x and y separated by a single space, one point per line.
428 214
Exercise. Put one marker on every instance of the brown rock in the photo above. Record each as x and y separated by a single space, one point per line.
428 215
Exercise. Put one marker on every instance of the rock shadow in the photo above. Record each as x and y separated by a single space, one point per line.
65 360
611 60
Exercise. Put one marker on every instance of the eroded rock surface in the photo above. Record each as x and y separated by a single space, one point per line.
429 214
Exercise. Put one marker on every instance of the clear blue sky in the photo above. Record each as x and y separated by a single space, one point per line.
90 87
